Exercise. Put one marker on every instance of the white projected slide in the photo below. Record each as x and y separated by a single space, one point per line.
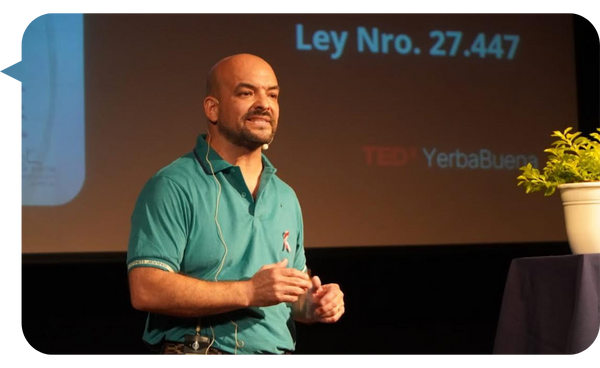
53 144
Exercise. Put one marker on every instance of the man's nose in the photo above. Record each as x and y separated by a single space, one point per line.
262 102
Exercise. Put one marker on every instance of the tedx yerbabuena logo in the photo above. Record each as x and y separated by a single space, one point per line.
481 159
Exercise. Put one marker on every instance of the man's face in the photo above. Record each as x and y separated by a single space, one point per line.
248 102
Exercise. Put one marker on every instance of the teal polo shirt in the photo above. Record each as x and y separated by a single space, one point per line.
173 228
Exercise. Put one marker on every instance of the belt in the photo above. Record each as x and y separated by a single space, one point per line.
172 349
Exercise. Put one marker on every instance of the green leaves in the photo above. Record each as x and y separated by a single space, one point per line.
571 159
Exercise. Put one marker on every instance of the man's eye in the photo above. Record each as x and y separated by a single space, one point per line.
245 93
274 95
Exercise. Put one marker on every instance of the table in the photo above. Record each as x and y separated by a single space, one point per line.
550 305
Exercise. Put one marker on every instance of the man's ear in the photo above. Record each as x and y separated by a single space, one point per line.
211 109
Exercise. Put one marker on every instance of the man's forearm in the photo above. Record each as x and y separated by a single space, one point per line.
157 291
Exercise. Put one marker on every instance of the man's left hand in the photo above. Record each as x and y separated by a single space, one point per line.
326 302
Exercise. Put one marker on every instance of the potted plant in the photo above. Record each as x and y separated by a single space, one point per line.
573 166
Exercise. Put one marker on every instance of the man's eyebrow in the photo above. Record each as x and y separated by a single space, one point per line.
251 86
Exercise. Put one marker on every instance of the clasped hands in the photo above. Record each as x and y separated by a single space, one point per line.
311 301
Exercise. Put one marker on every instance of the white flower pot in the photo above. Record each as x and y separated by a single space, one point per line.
581 203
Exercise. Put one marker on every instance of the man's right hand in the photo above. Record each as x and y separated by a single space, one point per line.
274 284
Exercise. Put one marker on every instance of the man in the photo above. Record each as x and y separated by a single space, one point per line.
216 251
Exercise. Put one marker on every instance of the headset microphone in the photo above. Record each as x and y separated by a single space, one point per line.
266 145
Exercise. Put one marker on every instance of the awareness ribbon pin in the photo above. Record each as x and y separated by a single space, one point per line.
286 245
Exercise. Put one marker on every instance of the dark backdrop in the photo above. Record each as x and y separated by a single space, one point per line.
399 300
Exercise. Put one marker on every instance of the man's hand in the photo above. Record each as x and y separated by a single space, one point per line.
322 303
327 301
274 284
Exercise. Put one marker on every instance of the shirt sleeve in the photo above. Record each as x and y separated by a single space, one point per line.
300 256
159 226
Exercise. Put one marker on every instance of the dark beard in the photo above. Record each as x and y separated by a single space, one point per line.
244 138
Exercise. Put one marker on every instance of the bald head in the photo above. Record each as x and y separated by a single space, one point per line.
226 67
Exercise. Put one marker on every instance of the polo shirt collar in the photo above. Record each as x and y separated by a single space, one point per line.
218 163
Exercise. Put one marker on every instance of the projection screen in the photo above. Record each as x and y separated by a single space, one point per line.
394 129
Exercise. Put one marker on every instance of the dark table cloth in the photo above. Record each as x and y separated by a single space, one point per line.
550 305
